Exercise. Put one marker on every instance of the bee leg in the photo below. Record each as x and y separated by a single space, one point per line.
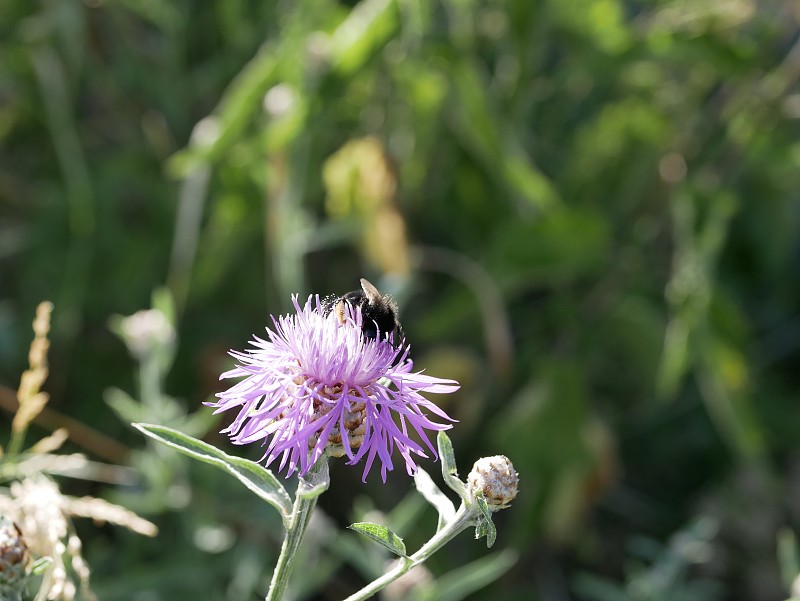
340 312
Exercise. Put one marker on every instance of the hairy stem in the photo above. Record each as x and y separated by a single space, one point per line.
308 490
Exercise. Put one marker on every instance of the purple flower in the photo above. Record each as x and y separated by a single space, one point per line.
317 384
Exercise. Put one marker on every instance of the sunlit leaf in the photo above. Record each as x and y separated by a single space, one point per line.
381 535
40 565
449 469
369 25
255 477
485 525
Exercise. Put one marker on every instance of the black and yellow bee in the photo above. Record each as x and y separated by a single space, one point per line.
378 311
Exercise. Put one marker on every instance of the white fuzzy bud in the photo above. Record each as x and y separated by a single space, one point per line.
496 478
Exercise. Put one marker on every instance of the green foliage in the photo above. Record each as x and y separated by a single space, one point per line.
485 524
587 211
381 535
255 477
449 469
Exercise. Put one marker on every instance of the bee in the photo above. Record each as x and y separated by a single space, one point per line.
378 311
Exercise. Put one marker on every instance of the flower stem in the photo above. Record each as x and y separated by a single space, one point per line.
280 577
310 486
463 519
150 383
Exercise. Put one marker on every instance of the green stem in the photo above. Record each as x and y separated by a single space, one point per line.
308 490
150 384
464 518
16 442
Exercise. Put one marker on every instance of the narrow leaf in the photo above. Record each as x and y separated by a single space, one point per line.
40 565
485 525
255 477
431 493
366 29
449 469
381 535
123 405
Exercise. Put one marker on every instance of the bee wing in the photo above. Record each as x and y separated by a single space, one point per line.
371 292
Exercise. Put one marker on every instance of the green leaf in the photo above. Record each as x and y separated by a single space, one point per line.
365 30
234 113
449 469
433 495
485 525
126 407
40 565
255 477
382 535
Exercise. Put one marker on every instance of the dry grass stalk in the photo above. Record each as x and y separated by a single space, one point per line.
50 444
103 511
43 514
31 399
35 502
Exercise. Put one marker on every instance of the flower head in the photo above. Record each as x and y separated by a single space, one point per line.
319 385
496 478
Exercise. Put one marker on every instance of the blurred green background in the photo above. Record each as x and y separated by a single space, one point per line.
586 209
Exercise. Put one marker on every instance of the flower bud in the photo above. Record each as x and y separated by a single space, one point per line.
13 554
147 331
496 478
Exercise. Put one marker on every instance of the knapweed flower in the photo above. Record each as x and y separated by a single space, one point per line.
318 385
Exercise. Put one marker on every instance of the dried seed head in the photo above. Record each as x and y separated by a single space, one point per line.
496 478
13 554
31 399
